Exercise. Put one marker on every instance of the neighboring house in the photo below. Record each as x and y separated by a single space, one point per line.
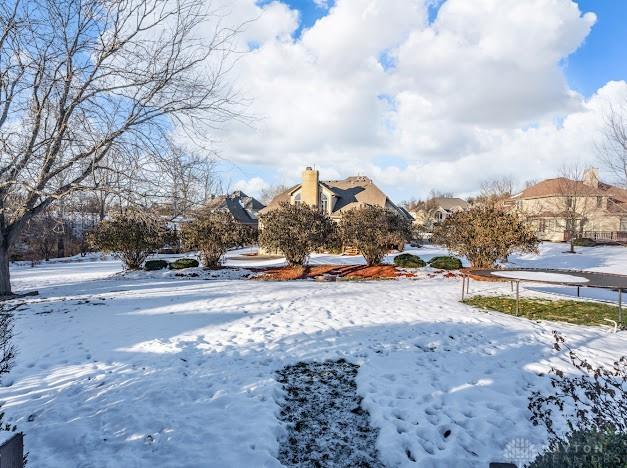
437 210
598 210
242 207
335 197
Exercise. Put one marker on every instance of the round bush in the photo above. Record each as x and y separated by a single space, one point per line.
594 449
584 242
445 263
182 263
409 261
154 265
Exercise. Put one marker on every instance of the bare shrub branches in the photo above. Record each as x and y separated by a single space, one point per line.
485 235
594 400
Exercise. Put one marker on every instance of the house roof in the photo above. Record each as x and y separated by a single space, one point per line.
348 193
450 203
560 186
238 204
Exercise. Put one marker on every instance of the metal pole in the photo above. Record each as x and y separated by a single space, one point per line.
578 287
463 287
620 306
467 284
517 298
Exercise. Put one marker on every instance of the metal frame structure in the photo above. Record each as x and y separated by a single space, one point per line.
593 279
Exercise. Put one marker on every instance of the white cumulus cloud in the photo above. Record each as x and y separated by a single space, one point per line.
375 88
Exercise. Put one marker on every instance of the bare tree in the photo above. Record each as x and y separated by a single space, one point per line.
84 82
181 180
573 203
613 148
496 190
268 193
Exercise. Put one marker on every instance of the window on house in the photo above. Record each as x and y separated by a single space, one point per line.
324 203
599 202
297 199
569 202
439 216
623 224
542 225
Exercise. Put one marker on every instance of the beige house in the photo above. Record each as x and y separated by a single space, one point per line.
437 210
335 197
597 210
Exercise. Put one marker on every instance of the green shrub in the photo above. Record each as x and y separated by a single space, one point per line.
484 235
590 449
213 233
182 263
445 263
409 261
132 235
374 231
154 265
584 242
296 231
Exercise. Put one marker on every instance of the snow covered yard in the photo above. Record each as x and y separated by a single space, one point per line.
181 372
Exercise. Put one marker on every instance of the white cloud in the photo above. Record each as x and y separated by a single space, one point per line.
252 186
476 93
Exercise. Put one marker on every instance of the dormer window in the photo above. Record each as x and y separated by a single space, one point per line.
297 199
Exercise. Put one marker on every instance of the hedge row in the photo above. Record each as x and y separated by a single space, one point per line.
181 263
407 260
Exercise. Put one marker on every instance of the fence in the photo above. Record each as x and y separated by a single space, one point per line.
606 236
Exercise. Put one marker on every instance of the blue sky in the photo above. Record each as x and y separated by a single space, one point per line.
603 56
431 150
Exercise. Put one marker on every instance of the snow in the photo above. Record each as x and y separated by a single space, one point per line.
540 276
151 369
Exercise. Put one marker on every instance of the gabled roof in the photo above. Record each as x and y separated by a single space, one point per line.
450 203
560 186
238 204
348 193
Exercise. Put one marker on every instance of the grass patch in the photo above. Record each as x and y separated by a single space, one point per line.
577 312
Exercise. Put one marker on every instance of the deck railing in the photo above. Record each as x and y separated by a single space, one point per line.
606 236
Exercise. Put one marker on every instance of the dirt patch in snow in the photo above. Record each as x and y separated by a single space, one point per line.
327 427
340 271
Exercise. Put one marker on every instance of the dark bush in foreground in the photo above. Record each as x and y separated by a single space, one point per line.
374 230
182 263
445 263
409 261
213 233
133 235
154 265
485 235
296 231
590 449
584 242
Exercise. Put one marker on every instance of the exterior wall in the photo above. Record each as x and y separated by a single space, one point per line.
544 215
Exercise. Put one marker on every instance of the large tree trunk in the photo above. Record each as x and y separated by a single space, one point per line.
5 278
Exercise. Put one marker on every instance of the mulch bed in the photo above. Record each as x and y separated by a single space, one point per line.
341 271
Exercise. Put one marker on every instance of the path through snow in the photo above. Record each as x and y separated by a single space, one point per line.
327 427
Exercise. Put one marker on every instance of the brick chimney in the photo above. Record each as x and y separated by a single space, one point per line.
310 188
591 177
